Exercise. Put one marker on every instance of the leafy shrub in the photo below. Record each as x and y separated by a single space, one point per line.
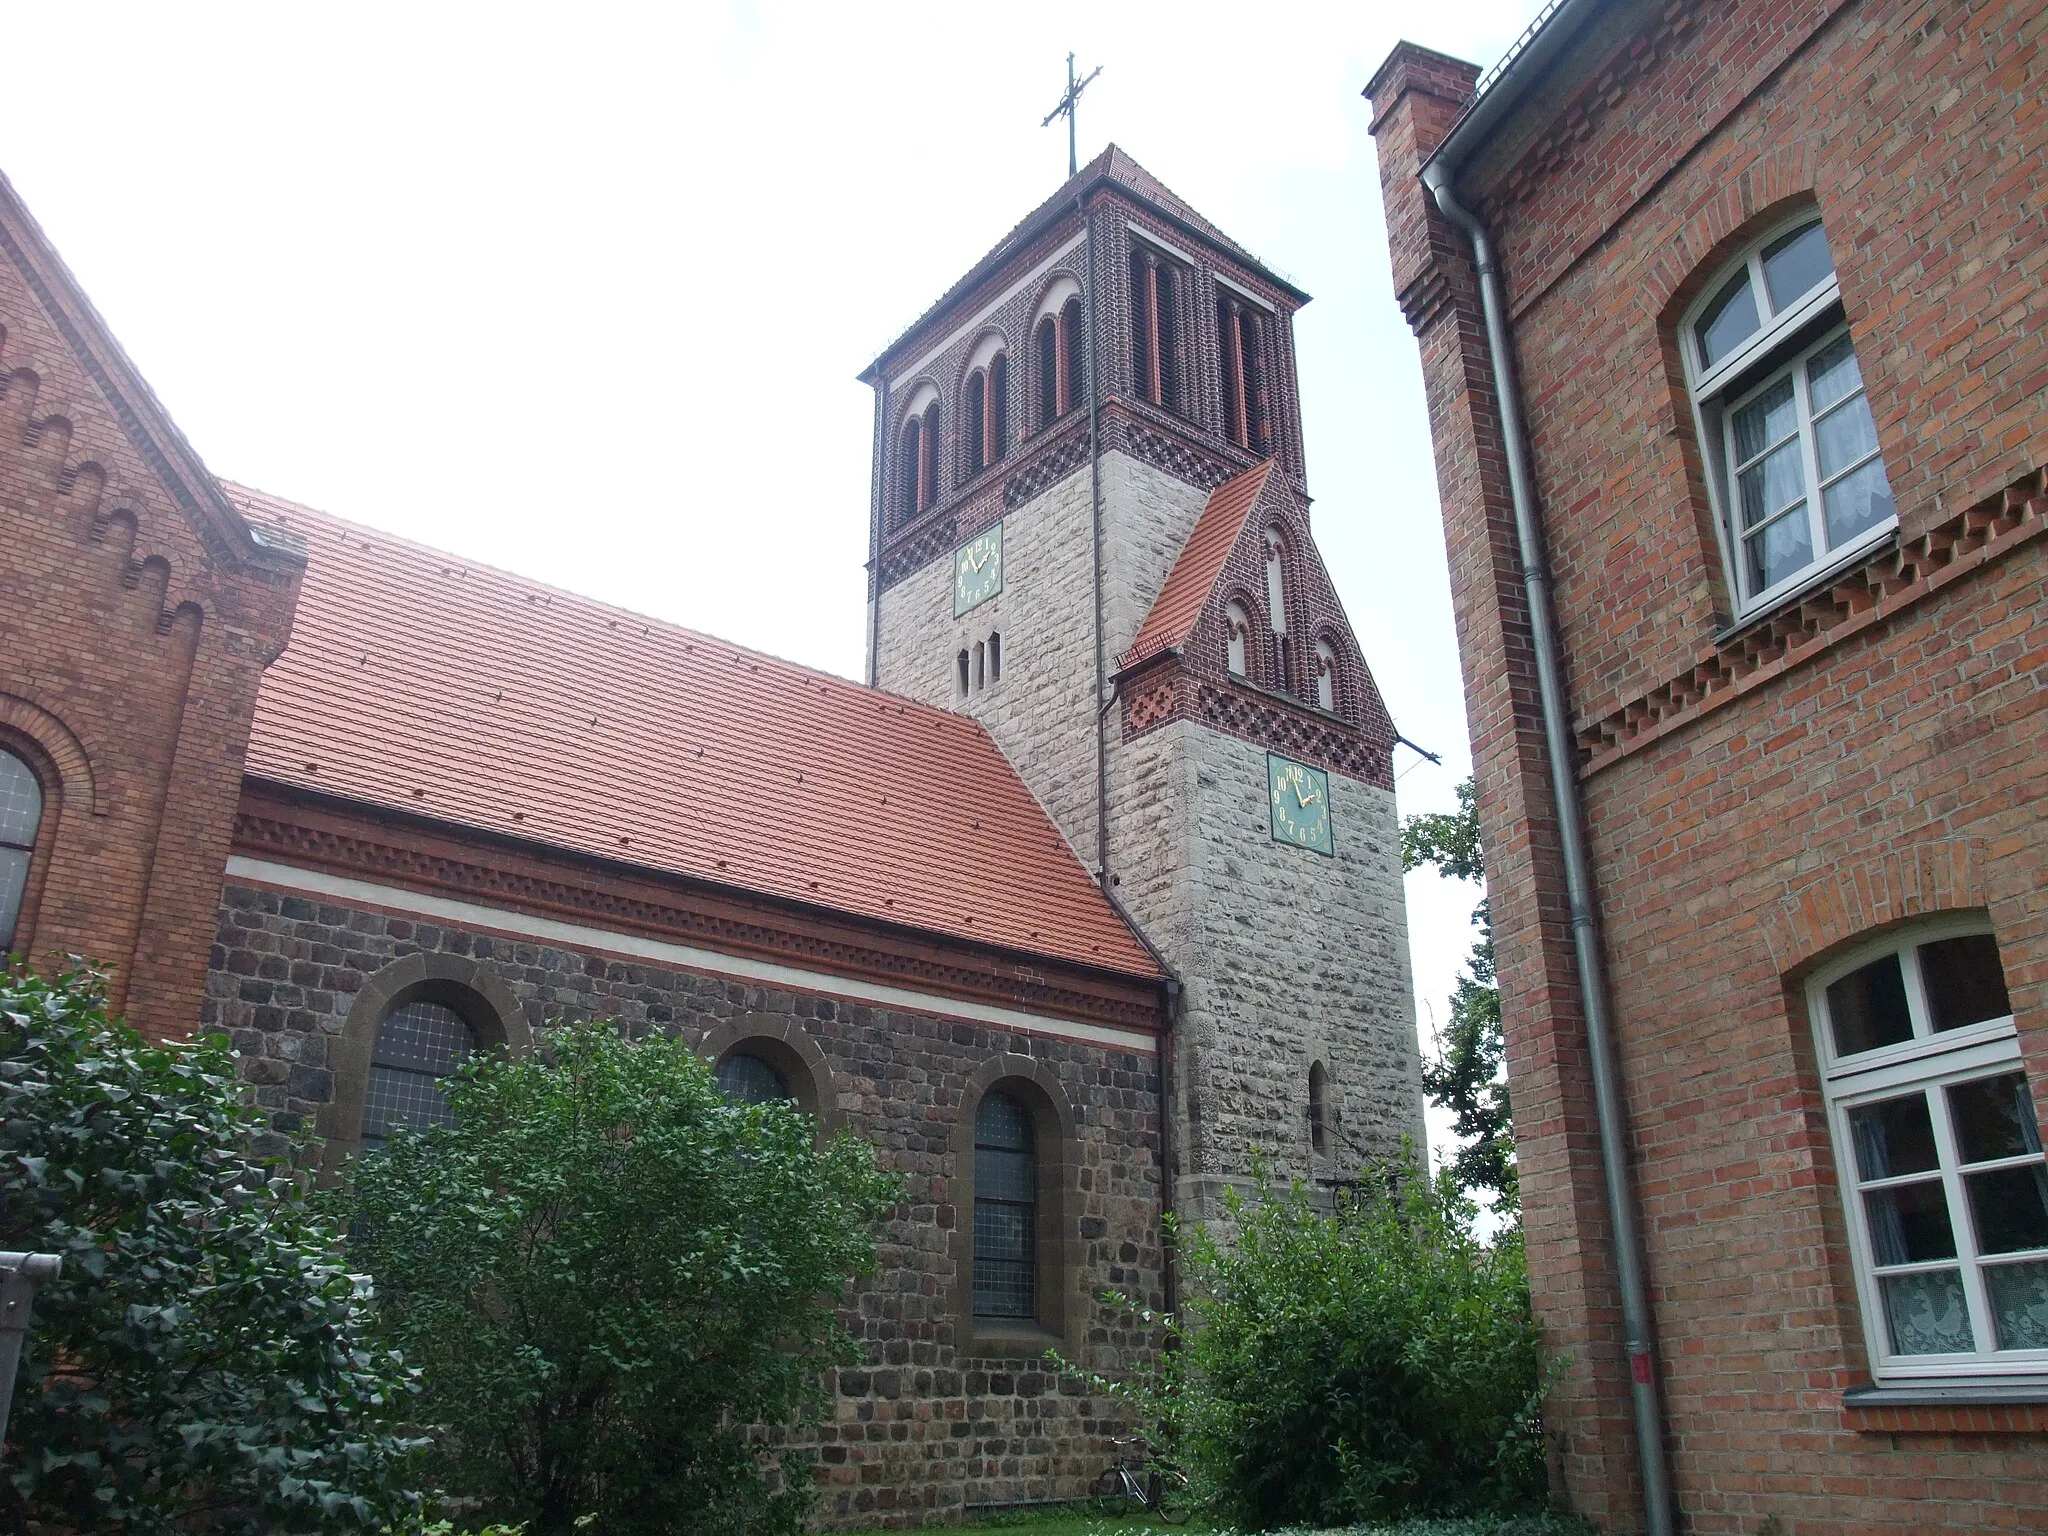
203 1363
1370 1363
606 1271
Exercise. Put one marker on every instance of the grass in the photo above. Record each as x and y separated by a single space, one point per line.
1086 1524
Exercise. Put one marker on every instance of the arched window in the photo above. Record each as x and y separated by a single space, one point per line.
995 656
998 412
1940 1157
1240 628
962 663
1318 1108
746 1078
1051 372
1241 329
1326 676
910 470
1276 580
1155 328
928 460
974 420
1791 446
1005 1209
418 1043
21 814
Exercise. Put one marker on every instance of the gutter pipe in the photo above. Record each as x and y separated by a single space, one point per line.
1169 1280
1592 974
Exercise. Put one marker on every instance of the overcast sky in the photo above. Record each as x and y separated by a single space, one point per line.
582 291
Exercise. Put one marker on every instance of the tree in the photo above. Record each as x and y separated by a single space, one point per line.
1368 1363
607 1271
1466 1077
204 1362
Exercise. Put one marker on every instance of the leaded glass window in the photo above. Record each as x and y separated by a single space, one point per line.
21 813
1005 1209
1939 1146
747 1079
418 1044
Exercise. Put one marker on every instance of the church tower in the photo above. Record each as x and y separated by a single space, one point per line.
1090 532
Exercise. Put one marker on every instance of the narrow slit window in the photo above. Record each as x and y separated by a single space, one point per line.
980 666
1074 382
1326 676
995 656
963 665
1049 371
995 412
1318 1108
1239 638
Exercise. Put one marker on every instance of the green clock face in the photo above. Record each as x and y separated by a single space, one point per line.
977 570
1301 804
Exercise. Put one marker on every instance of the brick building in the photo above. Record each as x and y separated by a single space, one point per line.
1751 461
1096 879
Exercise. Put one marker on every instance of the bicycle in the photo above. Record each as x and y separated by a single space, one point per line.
1145 1484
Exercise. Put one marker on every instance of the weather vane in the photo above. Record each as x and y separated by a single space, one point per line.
1066 109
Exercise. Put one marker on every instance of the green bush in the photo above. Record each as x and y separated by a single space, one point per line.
606 1272
203 1364
1374 1362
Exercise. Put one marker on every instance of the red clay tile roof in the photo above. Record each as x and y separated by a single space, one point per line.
426 683
1186 593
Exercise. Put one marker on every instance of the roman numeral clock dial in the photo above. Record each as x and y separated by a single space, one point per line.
977 570
1300 798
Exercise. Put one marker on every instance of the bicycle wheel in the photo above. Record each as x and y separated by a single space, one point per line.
1168 1495
1116 1494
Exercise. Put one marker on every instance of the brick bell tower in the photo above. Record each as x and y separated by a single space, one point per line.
1090 532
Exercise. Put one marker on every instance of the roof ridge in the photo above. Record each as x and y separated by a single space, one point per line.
236 489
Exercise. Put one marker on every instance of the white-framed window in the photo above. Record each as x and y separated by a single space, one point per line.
1940 1159
1791 447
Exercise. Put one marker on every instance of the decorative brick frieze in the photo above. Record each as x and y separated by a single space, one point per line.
1066 452
278 826
1170 691
1894 577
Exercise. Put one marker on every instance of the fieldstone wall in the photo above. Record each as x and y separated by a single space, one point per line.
1040 711
925 1424
1289 957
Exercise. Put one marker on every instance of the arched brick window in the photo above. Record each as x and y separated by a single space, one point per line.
1939 1152
1276 607
1327 693
1791 446
1005 1209
1239 639
419 1042
1073 365
985 413
1242 331
21 815
917 457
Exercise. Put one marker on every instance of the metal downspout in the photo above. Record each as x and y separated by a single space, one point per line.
1592 974
878 498
1169 1279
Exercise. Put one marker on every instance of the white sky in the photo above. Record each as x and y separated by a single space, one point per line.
582 291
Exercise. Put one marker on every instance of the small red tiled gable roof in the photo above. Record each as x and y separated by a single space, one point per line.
1186 593
423 682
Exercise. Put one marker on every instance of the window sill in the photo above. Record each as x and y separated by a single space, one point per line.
1821 576
996 1340
1986 1407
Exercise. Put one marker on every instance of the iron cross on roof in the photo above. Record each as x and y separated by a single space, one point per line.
1066 109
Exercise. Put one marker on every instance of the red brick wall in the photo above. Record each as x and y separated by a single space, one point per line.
1755 805
133 634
